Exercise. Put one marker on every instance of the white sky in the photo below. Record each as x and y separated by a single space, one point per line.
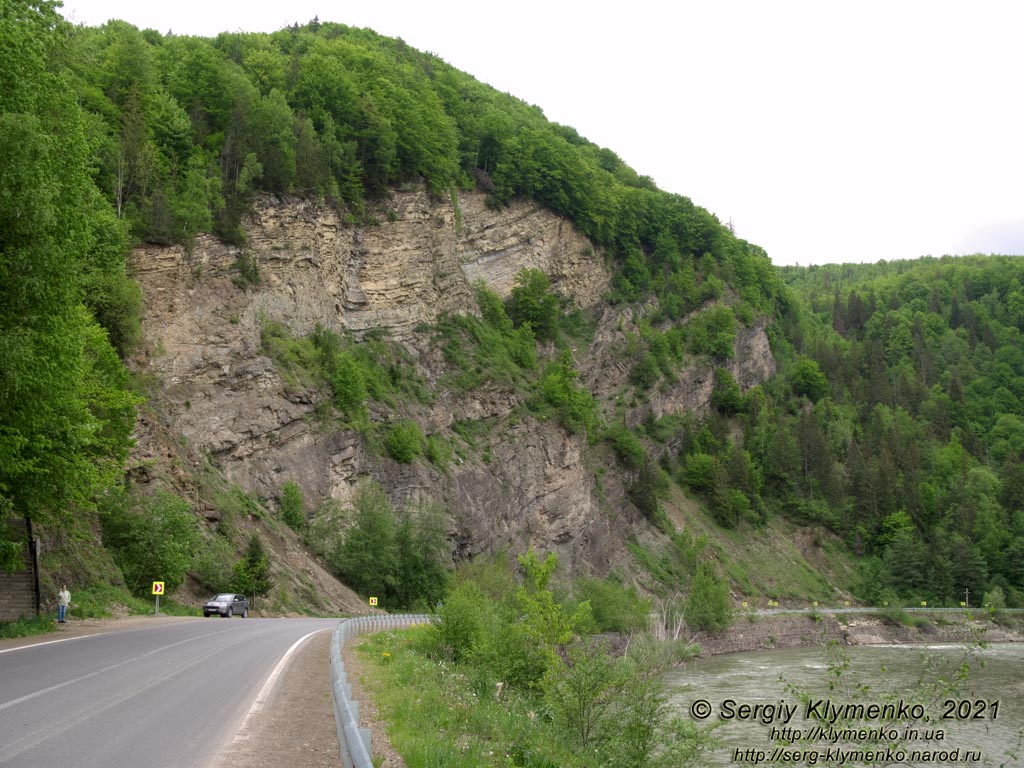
825 130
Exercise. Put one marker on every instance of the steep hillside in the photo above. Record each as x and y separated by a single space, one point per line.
516 479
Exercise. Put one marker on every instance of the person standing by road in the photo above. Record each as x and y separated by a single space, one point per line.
63 601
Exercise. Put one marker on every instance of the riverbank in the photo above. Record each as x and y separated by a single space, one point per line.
752 632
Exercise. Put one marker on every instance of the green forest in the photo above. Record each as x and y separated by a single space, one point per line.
896 420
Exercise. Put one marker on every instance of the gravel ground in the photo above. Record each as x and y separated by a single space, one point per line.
296 726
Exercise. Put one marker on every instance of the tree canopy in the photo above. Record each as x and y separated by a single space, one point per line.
65 414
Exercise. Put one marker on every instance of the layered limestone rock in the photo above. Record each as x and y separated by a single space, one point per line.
606 366
529 483
202 324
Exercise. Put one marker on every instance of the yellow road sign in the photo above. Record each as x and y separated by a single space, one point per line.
158 587
373 601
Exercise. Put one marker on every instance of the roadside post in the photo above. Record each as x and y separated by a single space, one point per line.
158 589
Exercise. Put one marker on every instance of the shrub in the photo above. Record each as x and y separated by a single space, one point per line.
293 506
702 473
731 506
461 621
576 408
580 693
533 303
709 606
438 451
212 564
645 373
726 396
627 446
994 600
348 383
404 442
615 608
808 380
247 271
650 483
713 333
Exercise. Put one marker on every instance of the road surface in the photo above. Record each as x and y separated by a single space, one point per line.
173 694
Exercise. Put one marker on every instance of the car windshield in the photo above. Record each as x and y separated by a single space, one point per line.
222 599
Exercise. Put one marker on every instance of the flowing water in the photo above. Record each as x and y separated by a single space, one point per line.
777 707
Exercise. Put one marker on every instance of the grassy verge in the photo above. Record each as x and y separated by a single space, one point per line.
27 627
103 601
439 716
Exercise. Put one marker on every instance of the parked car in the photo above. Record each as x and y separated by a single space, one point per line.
227 605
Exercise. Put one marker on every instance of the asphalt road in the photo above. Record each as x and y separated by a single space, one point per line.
168 695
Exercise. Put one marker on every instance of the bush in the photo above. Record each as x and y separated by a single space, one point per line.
709 606
702 473
576 408
293 506
615 608
212 564
645 373
580 692
808 380
713 333
348 383
461 621
438 451
627 446
649 485
994 600
726 396
404 442
532 303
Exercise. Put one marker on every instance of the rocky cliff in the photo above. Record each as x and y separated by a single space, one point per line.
529 482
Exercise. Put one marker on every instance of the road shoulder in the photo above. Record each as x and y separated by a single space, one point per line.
296 726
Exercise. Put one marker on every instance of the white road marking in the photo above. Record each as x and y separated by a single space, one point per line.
51 642
268 686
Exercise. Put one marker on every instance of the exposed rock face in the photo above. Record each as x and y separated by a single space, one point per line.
531 484
751 364
605 367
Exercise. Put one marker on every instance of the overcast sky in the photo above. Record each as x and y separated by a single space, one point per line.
826 131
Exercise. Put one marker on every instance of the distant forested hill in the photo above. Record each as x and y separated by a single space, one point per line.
913 448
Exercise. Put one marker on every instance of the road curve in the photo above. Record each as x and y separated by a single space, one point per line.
164 695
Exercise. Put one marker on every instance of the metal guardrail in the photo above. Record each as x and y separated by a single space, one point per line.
355 741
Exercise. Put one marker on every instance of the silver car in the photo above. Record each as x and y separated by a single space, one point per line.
227 605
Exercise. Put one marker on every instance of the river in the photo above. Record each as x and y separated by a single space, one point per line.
800 720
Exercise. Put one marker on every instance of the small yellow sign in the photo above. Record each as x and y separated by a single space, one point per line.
373 601
158 587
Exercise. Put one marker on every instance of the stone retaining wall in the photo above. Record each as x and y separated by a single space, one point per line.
17 590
